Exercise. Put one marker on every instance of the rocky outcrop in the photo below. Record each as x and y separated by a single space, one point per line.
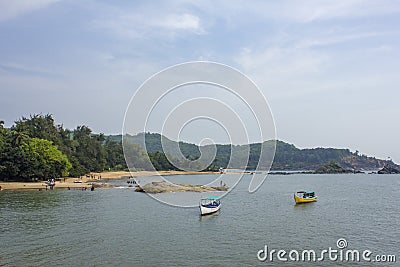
165 187
102 185
389 170
331 168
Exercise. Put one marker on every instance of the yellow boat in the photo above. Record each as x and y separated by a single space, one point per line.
305 197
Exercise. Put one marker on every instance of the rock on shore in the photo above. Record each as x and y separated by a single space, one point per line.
102 185
389 170
165 187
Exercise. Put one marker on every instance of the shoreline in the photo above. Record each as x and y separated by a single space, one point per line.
87 180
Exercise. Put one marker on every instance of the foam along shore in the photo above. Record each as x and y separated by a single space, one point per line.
97 179
166 187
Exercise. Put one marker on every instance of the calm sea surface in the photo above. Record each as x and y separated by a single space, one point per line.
120 227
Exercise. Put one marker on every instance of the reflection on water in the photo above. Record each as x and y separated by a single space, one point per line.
209 216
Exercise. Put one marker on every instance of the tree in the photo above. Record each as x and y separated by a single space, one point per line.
13 157
39 126
3 133
18 137
115 155
27 158
88 150
83 151
48 160
136 157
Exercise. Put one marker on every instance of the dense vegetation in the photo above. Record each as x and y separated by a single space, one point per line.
332 167
287 156
36 148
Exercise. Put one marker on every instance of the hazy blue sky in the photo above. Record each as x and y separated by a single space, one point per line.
329 69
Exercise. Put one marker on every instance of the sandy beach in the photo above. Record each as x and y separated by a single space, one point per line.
87 180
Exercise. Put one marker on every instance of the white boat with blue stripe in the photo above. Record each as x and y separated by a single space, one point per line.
209 205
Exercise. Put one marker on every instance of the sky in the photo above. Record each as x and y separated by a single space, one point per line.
328 69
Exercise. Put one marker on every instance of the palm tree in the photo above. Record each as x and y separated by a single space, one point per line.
18 138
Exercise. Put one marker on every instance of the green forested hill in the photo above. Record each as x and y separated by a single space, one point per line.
287 156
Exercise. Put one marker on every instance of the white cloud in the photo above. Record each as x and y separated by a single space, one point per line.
281 65
145 23
303 64
321 10
304 11
26 69
340 38
12 9
182 21
314 10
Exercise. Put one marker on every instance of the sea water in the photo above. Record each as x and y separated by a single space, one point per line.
121 227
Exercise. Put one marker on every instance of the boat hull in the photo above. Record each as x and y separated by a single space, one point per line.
300 200
208 210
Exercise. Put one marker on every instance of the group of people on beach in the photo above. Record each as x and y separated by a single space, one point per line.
93 176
